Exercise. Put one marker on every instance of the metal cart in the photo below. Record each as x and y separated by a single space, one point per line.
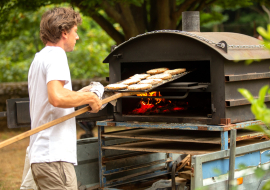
208 145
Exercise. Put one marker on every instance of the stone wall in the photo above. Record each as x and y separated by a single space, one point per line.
11 90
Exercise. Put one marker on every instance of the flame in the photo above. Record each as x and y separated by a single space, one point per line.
144 107
154 93
156 105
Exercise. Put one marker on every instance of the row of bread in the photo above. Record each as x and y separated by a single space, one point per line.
145 81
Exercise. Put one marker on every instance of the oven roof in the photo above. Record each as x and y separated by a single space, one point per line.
233 53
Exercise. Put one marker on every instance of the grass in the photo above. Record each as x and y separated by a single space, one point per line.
12 161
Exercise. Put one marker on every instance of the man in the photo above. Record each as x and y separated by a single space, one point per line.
52 152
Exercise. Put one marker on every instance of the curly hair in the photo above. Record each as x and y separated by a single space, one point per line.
56 21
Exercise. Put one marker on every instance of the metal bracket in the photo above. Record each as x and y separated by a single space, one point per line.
118 56
222 45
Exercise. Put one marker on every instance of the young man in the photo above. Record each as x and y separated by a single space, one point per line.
52 152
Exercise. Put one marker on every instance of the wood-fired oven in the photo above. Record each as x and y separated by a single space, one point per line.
208 94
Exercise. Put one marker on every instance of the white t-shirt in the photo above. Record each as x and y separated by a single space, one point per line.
57 143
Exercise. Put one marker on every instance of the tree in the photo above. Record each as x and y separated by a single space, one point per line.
18 49
123 19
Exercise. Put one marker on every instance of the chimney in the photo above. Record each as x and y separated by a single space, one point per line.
191 21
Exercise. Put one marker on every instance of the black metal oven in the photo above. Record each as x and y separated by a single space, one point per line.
208 94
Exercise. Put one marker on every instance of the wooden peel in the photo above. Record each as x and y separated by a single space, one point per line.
61 119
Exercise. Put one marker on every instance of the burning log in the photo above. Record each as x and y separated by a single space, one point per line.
157 105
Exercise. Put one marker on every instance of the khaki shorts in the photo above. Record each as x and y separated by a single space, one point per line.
54 175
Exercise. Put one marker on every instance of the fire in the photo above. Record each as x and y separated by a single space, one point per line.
154 93
157 105
144 107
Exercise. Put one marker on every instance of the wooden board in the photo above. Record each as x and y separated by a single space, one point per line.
167 147
212 137
175 147
245 134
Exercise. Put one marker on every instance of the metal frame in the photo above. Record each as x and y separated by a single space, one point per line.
197 160
232 158
186 126
180 126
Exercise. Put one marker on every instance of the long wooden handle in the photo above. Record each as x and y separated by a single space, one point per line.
61 119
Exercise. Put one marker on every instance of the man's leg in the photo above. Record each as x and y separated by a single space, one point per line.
54 175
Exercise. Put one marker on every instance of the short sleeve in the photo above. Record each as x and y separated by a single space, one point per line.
56 66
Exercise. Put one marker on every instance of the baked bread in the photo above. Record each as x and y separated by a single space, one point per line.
180 70
131 81
138 87
163 76
116 86
172 72
175 71
157 71
151 81
140 76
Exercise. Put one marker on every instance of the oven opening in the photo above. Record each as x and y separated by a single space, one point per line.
200 69
194 104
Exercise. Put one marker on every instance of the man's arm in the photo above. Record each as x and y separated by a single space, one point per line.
64 98
85 89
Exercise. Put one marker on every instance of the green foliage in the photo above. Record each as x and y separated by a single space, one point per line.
242 166
235 3
266 35
259 172
213 17
258 107
17 50
266 186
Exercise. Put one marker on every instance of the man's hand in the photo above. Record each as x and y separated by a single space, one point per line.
94 103
85 89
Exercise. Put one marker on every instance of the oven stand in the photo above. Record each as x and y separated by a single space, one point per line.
154 141
155 172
